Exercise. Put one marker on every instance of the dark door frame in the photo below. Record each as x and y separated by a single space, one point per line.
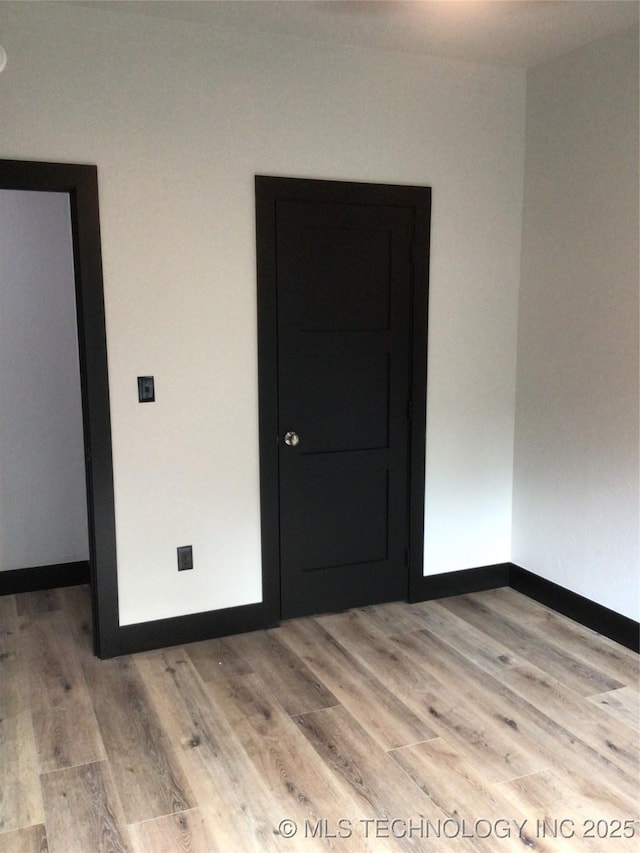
81 183
268 191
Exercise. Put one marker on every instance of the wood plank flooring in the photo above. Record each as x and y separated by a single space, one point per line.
484 722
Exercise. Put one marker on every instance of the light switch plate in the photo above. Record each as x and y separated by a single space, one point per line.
146 389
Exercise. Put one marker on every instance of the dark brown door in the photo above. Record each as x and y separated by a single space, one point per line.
344 285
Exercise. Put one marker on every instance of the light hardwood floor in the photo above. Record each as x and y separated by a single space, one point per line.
484 722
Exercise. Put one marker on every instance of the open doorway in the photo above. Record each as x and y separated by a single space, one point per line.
44 538
78 185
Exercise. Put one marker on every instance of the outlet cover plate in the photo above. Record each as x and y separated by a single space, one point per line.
185 558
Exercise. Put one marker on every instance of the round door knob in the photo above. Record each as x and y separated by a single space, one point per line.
292 439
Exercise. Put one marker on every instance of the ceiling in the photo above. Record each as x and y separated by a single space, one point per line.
501 32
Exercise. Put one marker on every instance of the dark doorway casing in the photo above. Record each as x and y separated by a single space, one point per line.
81 183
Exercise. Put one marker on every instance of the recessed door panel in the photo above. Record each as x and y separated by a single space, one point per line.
332 525
322 259
346 406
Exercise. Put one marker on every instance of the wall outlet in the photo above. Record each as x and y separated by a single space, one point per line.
185 558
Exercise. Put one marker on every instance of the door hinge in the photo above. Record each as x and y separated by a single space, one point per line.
407 556
410 409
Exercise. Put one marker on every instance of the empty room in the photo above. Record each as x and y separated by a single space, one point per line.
319 425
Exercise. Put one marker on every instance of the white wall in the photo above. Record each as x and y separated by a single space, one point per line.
577 486
178 119
43 508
